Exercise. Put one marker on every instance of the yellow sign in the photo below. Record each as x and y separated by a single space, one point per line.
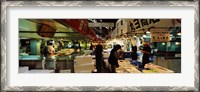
160 35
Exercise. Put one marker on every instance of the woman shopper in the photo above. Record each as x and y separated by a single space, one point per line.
134 53
113 58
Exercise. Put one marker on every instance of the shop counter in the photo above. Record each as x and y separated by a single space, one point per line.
126 67
35 61
131 69
40 71
39 58
65 71
84 64
120 70
30 57
105 56
149 71
23 69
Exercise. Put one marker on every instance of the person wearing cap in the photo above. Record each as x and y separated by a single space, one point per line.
146 53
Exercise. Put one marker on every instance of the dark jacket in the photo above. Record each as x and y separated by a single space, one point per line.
113 58
145 58
134 53
99 58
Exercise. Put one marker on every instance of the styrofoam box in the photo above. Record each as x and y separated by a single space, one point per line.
83 59
40 71
23 69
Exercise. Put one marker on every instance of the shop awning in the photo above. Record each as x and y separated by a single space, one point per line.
79 25
46 28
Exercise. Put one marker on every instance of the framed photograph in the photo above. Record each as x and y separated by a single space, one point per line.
100 46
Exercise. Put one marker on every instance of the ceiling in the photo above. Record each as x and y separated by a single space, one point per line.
60 28
30 27
103 31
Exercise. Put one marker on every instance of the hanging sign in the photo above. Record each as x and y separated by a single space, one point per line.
139 34
160 35
101 24
46 31
138 25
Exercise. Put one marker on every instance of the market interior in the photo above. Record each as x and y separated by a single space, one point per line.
70 45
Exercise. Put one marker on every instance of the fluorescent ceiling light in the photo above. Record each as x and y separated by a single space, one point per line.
178 33
148 32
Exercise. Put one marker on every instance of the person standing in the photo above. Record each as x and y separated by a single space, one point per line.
91 46
99 58
49 54
61 45
113 58
146 53
134 53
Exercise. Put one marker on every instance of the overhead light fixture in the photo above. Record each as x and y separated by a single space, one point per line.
144 36
177 43
148 32
178 33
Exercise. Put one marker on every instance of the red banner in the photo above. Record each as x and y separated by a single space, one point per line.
81 26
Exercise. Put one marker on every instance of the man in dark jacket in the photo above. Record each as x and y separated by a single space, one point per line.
99 58
146 53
